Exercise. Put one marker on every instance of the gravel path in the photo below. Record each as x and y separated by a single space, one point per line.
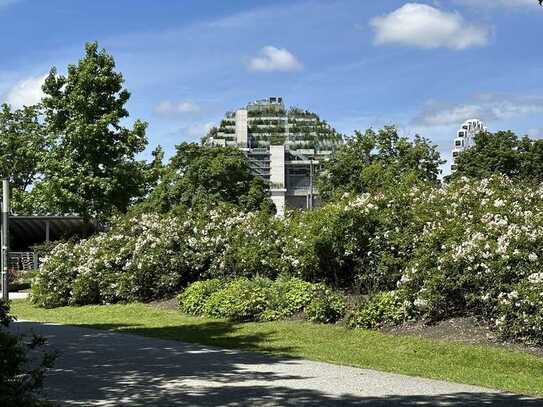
101 368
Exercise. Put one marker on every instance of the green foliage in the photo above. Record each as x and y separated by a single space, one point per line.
89 168
326 306
199 175
287 296
22 148
52 286
262 299
376 160
22 142
520 311
501 153
445 251
240 300
253 248
384 308
140 258
192 300
21 375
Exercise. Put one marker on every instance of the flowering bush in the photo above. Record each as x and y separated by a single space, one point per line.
329 244
520 311
138 259
252 247
479 239
436 252
52 286
142 257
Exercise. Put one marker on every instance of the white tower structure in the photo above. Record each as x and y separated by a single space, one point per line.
465 137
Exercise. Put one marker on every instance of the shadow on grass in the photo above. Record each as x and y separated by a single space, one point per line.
105 368
222 334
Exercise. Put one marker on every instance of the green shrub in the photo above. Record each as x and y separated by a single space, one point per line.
240 300
193 299
140 258
52 286
325 306
381 309
261 299
519 313
21 373
287 297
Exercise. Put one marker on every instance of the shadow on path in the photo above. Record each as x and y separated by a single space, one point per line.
110 369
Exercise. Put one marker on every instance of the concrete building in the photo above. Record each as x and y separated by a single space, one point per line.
465 137
285 147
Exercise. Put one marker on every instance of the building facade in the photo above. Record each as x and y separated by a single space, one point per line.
284 147
465 137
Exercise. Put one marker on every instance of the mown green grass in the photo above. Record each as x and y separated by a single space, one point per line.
487 366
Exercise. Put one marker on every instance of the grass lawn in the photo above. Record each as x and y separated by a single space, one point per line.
486 366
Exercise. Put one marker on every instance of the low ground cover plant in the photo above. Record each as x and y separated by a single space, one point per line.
262 299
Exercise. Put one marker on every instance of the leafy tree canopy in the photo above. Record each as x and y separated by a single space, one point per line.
503 153
199 175
375 160
22 142
90 167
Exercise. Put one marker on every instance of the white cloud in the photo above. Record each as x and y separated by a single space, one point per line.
486 107
275 59
498 3
424 26
26 92
169 108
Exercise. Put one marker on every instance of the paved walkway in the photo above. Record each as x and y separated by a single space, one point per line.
18 296
101 368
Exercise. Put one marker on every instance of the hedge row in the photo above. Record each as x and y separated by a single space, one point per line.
419 252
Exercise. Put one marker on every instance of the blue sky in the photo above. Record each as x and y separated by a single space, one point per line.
425 66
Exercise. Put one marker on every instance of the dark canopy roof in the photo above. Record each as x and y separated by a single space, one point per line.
26 231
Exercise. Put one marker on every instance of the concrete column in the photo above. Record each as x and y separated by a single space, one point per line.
277 178
47 231
35 260
241 128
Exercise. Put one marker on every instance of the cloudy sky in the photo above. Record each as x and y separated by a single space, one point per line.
425 66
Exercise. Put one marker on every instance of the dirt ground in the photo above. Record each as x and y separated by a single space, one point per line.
467 330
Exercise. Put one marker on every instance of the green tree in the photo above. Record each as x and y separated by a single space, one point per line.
375 160
491 154
200 175
22 147
90 168
502 153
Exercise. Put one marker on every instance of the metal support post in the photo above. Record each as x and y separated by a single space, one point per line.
5 239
